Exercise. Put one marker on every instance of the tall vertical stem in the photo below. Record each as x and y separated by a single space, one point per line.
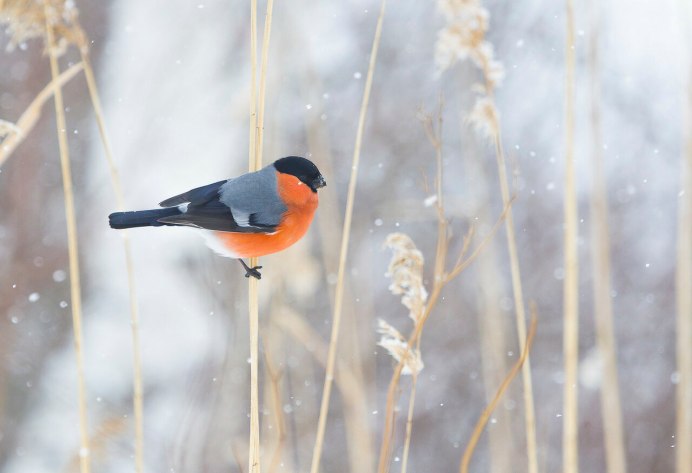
138 391
683 286
253 295
600 257
519 309
72 246
262 87
343 254
570 436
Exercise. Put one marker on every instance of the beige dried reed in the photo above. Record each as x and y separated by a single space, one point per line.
441 279
255 163
570 434
408 357
356 415
406 272
28 20
485 415
137 383
257 101
343 254
274 375
529 403
72 245
347 382
16 133
683 288
253 294
600 257
462 38
263 85
252 131
296 327
409 417
495 329
253 307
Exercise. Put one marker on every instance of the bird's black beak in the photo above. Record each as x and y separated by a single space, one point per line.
319 182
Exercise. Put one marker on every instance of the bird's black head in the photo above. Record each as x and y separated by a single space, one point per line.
303 169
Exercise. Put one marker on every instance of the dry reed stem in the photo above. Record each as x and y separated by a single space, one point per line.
529 407
439 282
485 415
255 163
253 88
442 277
515 271
138 390
253 297
253 294
73 249
388 431
301 331
409 417
436 140
683 294
274 375
343 254
570 436
361 456
356 414
347 382
360 436
465 38
263 82
493 326
461 264
32 113
108 431
600 253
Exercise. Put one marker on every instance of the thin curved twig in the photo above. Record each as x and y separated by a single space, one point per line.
485 415
30 116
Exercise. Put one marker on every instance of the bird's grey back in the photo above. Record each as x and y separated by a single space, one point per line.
254 198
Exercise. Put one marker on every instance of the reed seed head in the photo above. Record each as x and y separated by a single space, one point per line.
464 38
25 20
394 342
406 271
484 117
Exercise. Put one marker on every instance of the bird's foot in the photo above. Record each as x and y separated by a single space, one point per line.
254 271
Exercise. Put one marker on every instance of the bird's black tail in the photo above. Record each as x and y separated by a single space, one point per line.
141 218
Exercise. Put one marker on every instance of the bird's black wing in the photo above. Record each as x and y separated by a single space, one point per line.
205 210
197 196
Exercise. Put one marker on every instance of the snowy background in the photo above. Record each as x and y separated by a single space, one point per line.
174 78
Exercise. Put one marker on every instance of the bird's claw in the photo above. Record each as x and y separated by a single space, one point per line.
253 272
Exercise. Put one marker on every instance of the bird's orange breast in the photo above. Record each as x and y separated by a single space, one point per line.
301 203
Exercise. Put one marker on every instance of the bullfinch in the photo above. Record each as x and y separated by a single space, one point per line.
255 214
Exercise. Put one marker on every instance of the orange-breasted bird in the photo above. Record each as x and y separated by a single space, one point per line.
255 214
